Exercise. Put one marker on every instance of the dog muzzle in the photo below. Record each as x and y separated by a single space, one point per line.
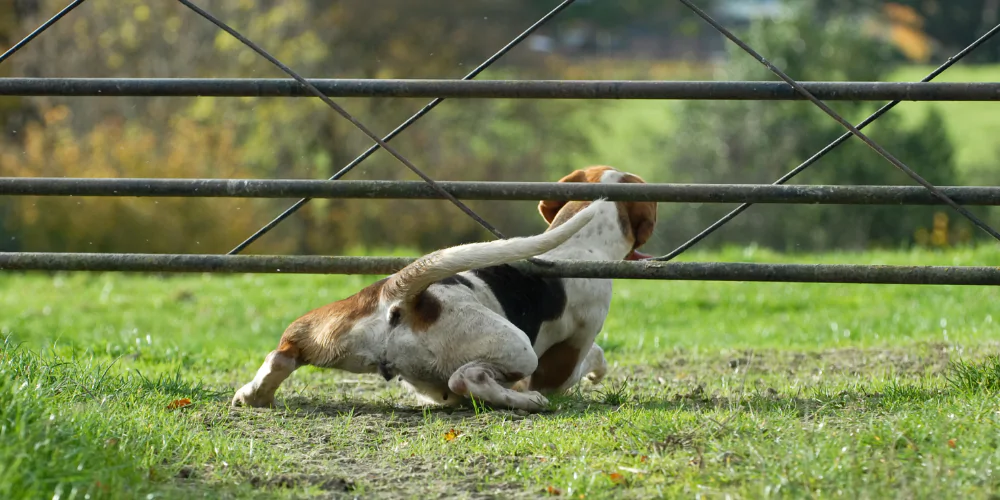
385 371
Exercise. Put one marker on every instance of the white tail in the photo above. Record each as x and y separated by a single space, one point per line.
413 279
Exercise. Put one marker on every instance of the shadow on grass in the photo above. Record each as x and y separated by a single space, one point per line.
964 379
816 401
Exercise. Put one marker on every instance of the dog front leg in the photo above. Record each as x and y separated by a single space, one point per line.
594 366
278 365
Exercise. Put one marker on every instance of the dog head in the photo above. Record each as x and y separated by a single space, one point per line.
637 218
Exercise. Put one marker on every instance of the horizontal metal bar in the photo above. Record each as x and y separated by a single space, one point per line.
644 270
533 191
502 89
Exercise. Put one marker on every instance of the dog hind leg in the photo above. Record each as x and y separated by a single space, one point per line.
593 367
497 364
481 380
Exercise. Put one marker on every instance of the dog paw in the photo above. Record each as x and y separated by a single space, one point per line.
246 396
595 377
536 401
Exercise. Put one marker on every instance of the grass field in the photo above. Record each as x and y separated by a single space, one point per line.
717 390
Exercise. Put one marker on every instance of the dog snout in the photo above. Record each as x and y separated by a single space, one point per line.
385 370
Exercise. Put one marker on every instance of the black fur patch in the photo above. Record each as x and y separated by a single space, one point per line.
458 280
527 301
395 316
385 371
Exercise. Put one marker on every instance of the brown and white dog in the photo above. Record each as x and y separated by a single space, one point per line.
461 322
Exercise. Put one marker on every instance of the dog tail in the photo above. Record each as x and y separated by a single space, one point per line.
413 279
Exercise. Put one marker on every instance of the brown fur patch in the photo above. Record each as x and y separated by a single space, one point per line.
549 208
640 215
567 212
555 366
637 218
426 309
314 337
288 349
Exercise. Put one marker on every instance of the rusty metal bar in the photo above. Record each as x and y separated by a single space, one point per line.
525 191
642 270
501 89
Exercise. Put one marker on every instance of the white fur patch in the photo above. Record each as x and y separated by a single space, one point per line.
612 177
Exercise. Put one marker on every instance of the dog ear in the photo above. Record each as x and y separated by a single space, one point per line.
549 208
641 214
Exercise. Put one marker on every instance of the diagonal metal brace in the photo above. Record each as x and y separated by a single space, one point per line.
38 31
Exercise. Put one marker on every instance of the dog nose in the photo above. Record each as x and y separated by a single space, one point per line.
385 370
637 255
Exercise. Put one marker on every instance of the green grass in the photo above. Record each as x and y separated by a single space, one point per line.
715 389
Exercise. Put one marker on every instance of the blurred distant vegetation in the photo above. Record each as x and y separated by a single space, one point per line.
511 140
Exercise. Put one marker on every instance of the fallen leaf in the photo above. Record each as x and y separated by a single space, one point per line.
553 491
616 478
452 434
951 443
111 442
643 458
178 403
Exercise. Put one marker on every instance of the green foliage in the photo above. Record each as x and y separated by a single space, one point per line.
759 141
510 140
952 24
274 138
973 126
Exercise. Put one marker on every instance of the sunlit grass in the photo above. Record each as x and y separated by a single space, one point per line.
746 389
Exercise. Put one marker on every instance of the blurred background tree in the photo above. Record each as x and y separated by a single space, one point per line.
507 140
948 24
759 141
270 138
